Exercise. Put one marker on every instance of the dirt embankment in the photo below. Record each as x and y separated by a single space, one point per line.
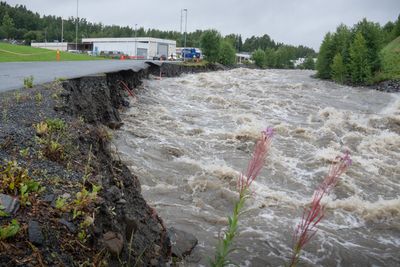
87 207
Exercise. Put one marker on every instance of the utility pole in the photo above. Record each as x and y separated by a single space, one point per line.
185 24
76 26
62 30
135 41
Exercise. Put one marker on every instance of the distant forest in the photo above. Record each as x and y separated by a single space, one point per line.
19 23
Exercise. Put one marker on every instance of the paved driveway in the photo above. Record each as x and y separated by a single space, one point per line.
12 74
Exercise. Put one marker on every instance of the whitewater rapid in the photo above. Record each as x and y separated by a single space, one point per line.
188 138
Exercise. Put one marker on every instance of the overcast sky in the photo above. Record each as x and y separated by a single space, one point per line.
290 21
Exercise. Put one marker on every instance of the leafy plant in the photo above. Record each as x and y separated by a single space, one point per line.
243 186
2 212
24 152
41 128
50 131
15 180
38 97
9 230
28 82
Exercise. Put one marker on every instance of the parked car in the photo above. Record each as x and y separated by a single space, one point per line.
162 57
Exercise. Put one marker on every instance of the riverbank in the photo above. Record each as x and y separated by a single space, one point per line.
67 199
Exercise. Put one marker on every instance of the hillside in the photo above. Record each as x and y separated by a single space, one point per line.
14 53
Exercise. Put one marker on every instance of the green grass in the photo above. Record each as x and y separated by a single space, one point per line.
390 55
16 53
190 63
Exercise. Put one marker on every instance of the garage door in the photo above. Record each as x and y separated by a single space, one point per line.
142 53
162 50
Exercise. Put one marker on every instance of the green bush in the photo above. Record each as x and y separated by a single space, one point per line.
227 54
259 58
210 43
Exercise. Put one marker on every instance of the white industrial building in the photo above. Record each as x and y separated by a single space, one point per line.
52 46
140 47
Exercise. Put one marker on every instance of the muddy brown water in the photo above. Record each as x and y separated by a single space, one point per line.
188 138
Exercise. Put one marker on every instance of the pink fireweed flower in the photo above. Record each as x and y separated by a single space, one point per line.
257 161
312 215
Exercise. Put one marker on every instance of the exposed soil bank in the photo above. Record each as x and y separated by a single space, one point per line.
124 229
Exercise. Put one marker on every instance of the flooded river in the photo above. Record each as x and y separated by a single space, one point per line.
188 138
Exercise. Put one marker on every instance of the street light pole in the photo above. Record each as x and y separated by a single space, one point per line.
135 41
62 30
185 24
76 26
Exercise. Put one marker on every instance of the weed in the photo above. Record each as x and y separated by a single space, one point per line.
28 82
56 125
243 186
50 132
38 97
41 128
9 230
54 96
83 200
17 96
5 115
53 150
16 181
312 215
24 152
2 212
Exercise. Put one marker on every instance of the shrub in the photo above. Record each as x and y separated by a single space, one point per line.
259 58
210 42
227 55
28 82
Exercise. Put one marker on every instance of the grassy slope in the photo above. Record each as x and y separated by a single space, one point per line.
26 53
391 60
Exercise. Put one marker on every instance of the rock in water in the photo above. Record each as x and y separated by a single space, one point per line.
182 242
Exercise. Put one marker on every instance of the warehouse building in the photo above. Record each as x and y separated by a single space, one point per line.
140 47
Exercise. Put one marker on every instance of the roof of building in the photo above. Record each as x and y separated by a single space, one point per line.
128 39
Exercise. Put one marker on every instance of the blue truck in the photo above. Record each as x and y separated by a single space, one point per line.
190 53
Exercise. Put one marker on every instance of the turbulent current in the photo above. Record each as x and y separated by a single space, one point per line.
188 138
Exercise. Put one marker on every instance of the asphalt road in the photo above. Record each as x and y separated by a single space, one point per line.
12 74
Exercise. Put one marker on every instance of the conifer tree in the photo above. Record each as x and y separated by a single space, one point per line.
325 57
338 69
360 70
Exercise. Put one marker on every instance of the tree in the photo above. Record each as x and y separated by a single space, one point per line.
373 36
338 69
270 58
8 26
210 43
227 54
341 41
325 57
360 69
259 58
309 63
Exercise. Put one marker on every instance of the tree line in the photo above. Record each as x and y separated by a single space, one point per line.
352 55
19 23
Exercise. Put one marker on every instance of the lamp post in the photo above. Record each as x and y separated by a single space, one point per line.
135 41
185 24
62 30
76 26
